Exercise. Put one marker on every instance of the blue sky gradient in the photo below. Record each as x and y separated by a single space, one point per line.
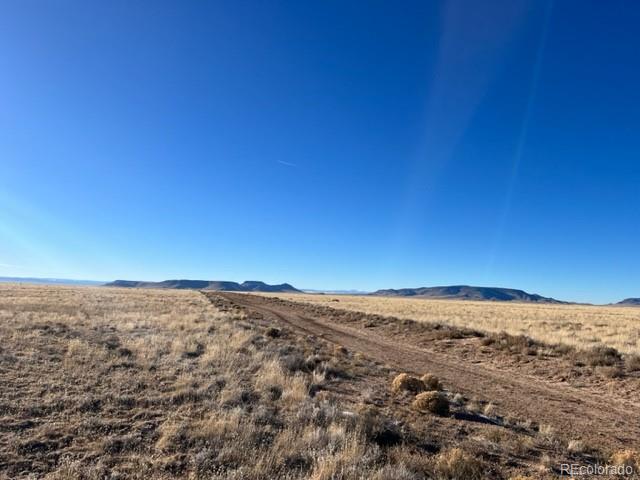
328 144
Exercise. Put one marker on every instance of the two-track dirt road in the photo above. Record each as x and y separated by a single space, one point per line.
597 417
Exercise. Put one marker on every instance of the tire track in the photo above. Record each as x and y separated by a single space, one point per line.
598 419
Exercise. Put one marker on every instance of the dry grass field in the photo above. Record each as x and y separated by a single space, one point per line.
108 383
583 326
105 383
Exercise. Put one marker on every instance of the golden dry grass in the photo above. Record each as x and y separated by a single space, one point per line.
582 326
158 384
407 383
431 382
113 383
433 402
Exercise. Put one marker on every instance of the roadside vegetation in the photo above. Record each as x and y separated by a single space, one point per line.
581 326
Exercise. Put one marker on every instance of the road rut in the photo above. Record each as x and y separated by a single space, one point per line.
600 419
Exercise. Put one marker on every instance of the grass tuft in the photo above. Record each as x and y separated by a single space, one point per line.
431 382
456 464
433 402
407 383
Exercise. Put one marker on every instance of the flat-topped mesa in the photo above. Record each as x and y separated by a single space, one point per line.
258 286
218 285
466 292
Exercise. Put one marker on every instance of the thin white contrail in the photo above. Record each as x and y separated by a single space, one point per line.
452 100
287 163
522 137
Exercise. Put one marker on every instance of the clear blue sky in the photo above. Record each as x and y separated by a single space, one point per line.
328 144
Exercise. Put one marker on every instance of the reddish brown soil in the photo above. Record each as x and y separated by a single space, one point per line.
548 391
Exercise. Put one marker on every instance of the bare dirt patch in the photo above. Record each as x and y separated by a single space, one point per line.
581 326
545 390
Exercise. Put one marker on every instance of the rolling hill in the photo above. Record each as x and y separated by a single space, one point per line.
248 286
466 292
630 301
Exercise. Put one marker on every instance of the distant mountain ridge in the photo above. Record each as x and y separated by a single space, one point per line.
49 281
336 292
466 292
630 301
223 286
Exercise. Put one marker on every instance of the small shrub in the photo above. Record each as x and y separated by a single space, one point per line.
312 361
332 369
546 463
576 446
339 350
395 472
610 372
273 332
294 362
457 464
123 443
629 458
193 350
601 356
431 382
486 341
112 342
377 428
239 397
275 392
490 409
632 362
474 406
125 352
433 402
546 431
512 343
522 445
562 349
407 383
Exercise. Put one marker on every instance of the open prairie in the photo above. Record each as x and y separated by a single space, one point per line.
152 384
583 326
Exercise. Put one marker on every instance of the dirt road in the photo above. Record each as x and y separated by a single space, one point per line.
598 418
